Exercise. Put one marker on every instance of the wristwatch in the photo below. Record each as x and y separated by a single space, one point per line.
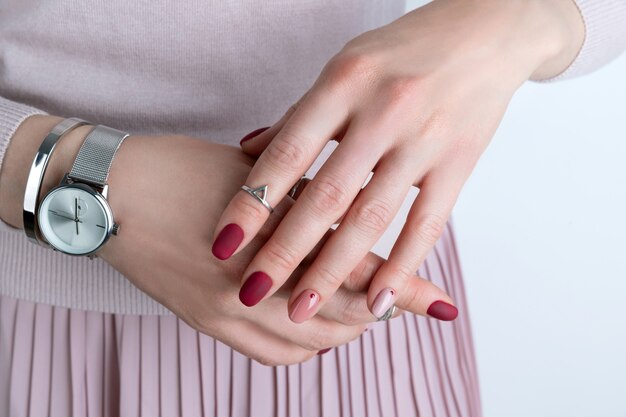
75 217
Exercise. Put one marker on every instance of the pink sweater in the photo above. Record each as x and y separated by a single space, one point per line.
215 72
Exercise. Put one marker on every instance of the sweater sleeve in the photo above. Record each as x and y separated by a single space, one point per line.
11 117
605 36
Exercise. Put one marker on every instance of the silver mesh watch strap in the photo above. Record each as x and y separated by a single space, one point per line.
37 172
94 159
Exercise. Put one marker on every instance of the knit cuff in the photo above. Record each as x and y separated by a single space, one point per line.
11 117
605 36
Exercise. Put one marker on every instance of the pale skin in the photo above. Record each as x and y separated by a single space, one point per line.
415 102
164 240
423 115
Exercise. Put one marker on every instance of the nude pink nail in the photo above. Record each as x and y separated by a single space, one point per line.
304 307
383 302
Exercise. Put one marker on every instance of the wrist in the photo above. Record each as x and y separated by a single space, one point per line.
562 36
16 165
19 157
538 39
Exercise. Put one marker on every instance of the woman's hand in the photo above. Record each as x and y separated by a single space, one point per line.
167 193
416 102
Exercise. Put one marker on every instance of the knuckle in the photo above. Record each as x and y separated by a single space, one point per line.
359 276
282 256
438 125
348 67
326 195
371 216
402 271
429 229
327 278
404 87
287 152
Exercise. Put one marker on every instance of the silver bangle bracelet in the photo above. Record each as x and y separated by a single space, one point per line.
37 172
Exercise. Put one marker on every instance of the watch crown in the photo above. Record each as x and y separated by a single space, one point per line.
116 229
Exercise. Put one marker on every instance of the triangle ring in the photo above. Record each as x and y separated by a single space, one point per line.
260 194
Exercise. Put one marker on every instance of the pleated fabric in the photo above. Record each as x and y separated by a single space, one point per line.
59 362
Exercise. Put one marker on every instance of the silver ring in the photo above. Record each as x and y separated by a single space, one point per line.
260 194
296 187
388 314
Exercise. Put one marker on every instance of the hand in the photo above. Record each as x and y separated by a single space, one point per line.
166 193
416 102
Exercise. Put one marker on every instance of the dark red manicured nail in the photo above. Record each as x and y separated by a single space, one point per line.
227 241
255 288
253 134
321 352
442 311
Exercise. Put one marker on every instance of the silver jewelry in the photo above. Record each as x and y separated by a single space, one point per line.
260 194
298 187
37 172
94 159
75 217
388 314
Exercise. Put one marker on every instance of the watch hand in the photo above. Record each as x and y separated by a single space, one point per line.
76 213
64 216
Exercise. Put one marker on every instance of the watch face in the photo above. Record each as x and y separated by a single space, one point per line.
74 219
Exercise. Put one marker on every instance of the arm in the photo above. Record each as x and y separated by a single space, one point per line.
165 193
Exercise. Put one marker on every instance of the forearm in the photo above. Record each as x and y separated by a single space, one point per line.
19 157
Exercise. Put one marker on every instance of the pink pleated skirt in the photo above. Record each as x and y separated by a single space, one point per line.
59 362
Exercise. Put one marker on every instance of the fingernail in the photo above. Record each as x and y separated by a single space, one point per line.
304 306
227 241
383 302
253 134
442 311
321 352
254 289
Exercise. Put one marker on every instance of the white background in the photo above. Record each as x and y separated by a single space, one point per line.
541 227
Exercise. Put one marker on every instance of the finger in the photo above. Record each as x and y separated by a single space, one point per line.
319 205
254 143
280 166
349 304
317 334
395 281
364 223
348 308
